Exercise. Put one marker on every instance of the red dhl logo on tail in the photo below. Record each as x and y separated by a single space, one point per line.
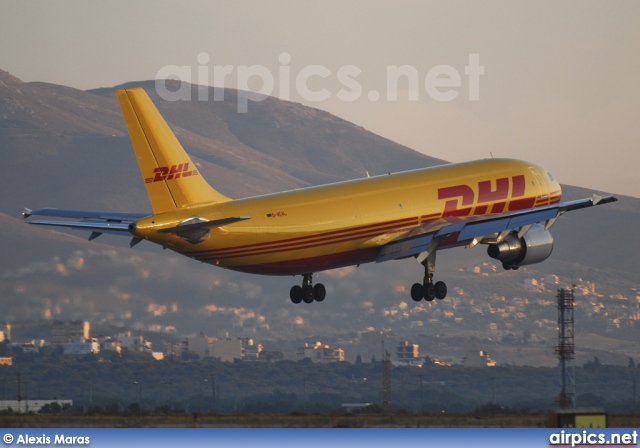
461 198
175 172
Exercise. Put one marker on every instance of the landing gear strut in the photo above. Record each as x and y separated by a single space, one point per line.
307 293
428 290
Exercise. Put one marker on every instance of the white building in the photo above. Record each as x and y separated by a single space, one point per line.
250 350
199 345
134 343
63 332
320 353
24 406
109 344
408 353
28 347
227 349
81 346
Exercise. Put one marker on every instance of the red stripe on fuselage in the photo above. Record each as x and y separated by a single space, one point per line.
325 262
302 241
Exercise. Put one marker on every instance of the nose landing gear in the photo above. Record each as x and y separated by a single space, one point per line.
307 293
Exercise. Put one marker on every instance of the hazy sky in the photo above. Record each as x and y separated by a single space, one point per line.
558 83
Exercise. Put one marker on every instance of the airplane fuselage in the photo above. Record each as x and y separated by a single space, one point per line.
342 224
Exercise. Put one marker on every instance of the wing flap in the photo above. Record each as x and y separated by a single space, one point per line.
406 248
485 228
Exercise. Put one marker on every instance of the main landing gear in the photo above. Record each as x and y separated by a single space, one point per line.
307 293
428 290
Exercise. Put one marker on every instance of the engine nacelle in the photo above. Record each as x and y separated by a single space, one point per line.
535 246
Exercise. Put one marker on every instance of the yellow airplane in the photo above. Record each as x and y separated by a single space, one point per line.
508 205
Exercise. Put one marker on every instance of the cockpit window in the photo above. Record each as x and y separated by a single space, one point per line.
550 176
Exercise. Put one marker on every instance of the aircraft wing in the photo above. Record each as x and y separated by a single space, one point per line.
420 240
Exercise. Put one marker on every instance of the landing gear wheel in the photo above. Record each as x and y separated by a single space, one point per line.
295 294
308 293
417 292
308 296
320 292
440 290
429 292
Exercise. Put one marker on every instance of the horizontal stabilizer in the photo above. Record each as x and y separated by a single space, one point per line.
95 221
115 228
85 214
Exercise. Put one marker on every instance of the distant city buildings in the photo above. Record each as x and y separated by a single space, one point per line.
226 350
271 356
320 353
110 344
74 337
250 350
28 347
478 359
81 346
63 332
133 343
24 406
513 319
408 354
199 345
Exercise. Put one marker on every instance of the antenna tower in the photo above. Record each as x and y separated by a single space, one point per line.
565 348
386 383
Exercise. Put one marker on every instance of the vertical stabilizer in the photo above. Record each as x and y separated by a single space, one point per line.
172 179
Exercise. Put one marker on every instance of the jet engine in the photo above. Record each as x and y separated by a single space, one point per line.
535 246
